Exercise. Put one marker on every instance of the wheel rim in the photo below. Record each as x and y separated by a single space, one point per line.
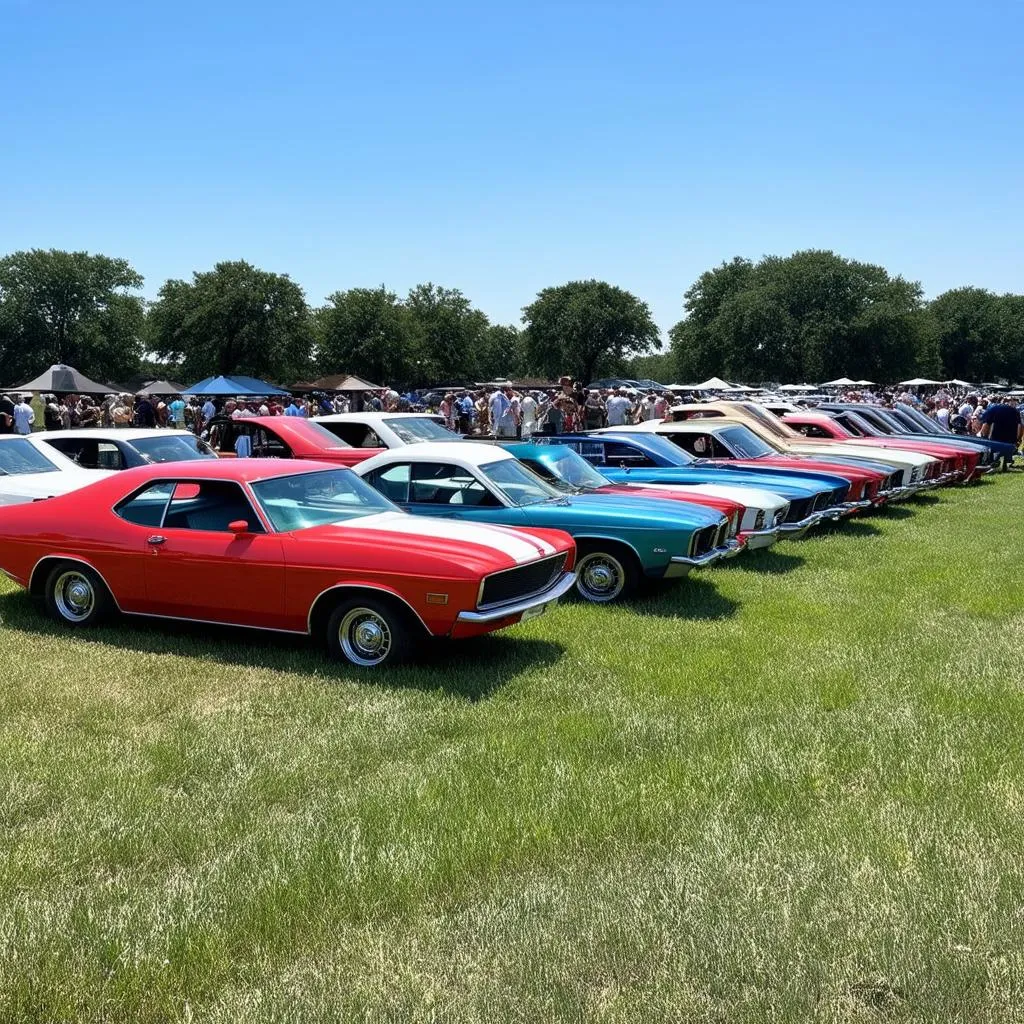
365 637
74 596
600 577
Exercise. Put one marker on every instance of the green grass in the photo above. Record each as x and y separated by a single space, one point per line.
788 789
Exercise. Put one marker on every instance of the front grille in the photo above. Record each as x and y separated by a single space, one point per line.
798 510
759 519
703 540
871 489
820 502
780 516
838 496
522 581
892 481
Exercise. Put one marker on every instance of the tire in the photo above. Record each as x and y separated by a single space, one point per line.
368 633
605 573
76 596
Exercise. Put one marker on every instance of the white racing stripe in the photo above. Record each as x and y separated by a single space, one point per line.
517 545
755 497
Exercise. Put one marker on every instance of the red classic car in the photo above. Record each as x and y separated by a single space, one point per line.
296 547
281 437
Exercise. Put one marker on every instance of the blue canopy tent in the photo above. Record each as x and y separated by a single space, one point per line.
234 386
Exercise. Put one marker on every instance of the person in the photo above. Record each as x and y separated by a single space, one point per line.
292 408
1001 422
209 410
176 412
447 410
121 411
554 417
466 410
88 414
967 409
660 406
645 410
243 446
145 414
502 420
618 408
528 408
942 412
6 415
24 417
594 411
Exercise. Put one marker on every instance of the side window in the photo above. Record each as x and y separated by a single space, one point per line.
209 505
146 507
267 445
444 484
701 445
222 437
371 440
392 482
351 433
109 457
617 454
813 430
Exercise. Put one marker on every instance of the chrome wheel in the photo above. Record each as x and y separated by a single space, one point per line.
365 637
600 577
74 596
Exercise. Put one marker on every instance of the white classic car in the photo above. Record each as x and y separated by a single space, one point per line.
31 471
386 429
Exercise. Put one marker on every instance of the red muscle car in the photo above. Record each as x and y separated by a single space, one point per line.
297 547
281 437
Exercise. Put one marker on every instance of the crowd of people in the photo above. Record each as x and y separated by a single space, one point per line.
497 411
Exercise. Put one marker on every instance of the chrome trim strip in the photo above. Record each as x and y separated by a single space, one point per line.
214 622
553 593
701 560
360 586
79 561
812 520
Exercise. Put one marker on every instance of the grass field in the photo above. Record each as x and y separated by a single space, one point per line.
789 789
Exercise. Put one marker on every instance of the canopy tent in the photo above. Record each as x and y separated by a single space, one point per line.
711 384
960 383
840 382
797 387
337 382
917 382
994 387
65 380
233 386
866 383
160 387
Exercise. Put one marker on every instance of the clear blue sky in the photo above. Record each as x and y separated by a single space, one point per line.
500 148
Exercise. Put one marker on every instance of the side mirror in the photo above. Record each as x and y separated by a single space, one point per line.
239 526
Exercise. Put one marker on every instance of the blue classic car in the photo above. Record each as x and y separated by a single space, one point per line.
648 458
619 543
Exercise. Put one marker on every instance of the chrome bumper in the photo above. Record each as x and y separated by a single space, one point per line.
760 538
798 529
505 611
847 508
680 565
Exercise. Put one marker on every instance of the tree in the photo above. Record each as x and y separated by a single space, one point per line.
976 329
233 319
809 316
69 307
448 332
501 352
586 329
368 332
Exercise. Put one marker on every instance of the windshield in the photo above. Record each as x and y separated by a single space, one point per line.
413 429
571 468
17 457
744 443
858 426
299 501
518 484
173 448
922 421
770 422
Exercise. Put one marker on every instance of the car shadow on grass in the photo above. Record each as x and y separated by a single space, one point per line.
844 528
768 561
691 598
472 669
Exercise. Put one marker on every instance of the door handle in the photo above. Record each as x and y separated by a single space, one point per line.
156 539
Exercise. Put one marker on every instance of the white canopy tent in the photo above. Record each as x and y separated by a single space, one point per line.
917 382
797 387
960 383
711 384
839 382
866 383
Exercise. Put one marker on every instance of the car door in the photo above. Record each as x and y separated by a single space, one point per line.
197 568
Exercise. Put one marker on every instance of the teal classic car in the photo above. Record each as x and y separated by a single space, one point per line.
619 543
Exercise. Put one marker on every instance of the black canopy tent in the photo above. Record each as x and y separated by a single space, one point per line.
65 380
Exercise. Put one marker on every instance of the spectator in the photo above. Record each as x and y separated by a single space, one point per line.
466 409
502 416
528 407
1002 422
594 411
449 411
483 413
121 411
176 412
209 410
24 417
88 414
6 415
52 419
292 409
145 414
618 409
660 406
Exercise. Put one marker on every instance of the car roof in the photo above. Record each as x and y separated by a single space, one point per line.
103 433
367 417
243 470
470 453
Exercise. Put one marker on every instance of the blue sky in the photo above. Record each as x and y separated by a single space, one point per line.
500 148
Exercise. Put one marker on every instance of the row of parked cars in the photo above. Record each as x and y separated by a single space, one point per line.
375 531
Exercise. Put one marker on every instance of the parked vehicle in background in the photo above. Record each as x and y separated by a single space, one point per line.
117 448
278 545
619 542
281 437
31 471
386 429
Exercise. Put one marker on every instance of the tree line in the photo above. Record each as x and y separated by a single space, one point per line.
809 316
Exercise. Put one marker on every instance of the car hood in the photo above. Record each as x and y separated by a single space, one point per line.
792 486
750 497
623 512
478 547
857 451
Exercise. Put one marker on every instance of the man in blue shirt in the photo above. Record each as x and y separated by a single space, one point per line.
1001 422
292 409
